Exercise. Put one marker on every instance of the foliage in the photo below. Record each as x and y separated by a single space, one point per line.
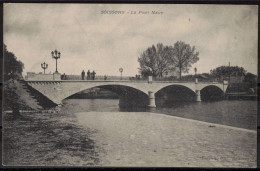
226 71
12 73
183 56
13 68
159 59
189 77
251 79
156 60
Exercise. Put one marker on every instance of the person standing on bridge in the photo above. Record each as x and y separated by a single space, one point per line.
93 75
63 76
88 75
82 75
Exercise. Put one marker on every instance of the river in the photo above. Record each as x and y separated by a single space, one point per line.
236 113
204 134
96 132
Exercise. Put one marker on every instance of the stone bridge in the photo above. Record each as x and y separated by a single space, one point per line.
58 90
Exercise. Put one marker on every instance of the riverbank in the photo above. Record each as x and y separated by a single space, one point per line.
46 139
152 140
84 133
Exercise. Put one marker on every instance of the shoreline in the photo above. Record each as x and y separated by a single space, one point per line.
150 140
210 124
124 139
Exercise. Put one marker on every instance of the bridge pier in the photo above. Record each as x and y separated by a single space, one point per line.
198 97
151 99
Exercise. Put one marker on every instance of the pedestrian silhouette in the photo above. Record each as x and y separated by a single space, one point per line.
63 76
82 75
93 75
105 77
88 75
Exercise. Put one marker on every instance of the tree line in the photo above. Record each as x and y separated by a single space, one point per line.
227 71
159 59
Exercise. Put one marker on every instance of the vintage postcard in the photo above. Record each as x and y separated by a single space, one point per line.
130 85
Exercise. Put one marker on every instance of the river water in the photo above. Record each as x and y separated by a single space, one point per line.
236 113
97 132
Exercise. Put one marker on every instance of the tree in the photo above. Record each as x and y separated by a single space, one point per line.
183 56
13 68
12 74
156 60
251 79
227 71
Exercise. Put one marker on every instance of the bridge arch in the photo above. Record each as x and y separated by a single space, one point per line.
174 93
184 85
113 87
211 92
129 96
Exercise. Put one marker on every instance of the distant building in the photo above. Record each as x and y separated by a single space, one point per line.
201 77
236 77
251 79
175 73
204 77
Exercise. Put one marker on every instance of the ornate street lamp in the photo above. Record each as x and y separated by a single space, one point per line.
56 55
121 70
44 66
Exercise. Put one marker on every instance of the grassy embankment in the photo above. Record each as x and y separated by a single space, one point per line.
39 139
45 139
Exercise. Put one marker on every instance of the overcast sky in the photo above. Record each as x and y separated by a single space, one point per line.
88 39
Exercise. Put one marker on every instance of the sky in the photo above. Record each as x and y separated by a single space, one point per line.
89 39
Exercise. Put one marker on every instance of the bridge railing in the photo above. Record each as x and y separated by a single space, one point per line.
97 77
138 78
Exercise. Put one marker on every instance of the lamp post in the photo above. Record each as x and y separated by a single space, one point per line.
121 70
56 55
44 66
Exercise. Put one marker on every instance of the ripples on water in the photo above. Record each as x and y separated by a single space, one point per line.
233 113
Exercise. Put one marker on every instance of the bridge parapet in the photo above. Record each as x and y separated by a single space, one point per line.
31 76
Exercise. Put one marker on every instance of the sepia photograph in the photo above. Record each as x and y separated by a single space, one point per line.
130 85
